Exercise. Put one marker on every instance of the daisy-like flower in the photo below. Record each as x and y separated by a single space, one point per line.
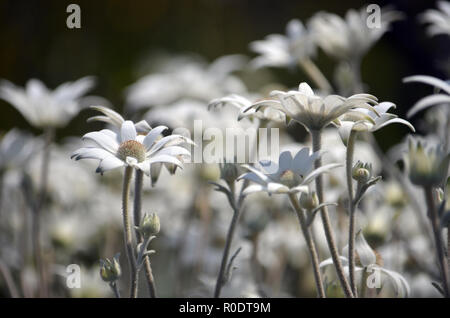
426 165
313 111
44 108
242 103
290 175
130 149
439 20
431 100
367 120
370 262
349 38
284 50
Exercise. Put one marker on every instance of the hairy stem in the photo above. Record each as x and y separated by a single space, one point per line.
316 141
351 210
234 221
115 289
127 232
434 218
315 74
139 180
311 245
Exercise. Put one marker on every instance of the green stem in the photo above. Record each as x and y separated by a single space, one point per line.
351 209
115 289
234 221
315 74
139 180
316 141
311 245
438 239
128 238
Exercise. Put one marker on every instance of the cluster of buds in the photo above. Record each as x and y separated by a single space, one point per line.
110 270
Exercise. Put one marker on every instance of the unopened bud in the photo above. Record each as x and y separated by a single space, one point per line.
110 270
309 201
362 172
149 225
229 172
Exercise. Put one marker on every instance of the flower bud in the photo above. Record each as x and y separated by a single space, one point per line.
362 172
149 225
229 172
110 270
309 201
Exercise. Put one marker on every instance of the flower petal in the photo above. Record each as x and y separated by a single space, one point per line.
127 131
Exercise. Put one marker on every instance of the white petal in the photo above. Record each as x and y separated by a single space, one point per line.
320 170
253 188
103 140
366 254
149 140
90 153
109 163
285 161
430 81
428 101
165 158
127 131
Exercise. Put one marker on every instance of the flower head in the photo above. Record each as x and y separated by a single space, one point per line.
313 111
439 20
130 149
110 270
290 175
362 119
426 165
284 50
42 107
350 37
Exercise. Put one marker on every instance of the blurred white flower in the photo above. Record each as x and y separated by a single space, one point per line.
349 38
190 79
44 108
368 261
439 20
290 175
313 111
431 100
284 50
130 149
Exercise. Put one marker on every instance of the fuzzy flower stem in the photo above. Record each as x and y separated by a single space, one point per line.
36 226
438 239
315 74
351 210
311 245
234 221
127 232
316 141
355 66
115 289
139 179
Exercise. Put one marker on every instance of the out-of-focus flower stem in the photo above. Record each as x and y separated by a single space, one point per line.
139 179
311 245
127 232
36 226
434 218
351 210
115 289
236 206
315 74
316 136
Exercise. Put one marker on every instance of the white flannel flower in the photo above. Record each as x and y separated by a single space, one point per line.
431 100
367 120
130 149
439 20
44 108
349 38
284 50
313 111
369 263
242 103
290 175
187 78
